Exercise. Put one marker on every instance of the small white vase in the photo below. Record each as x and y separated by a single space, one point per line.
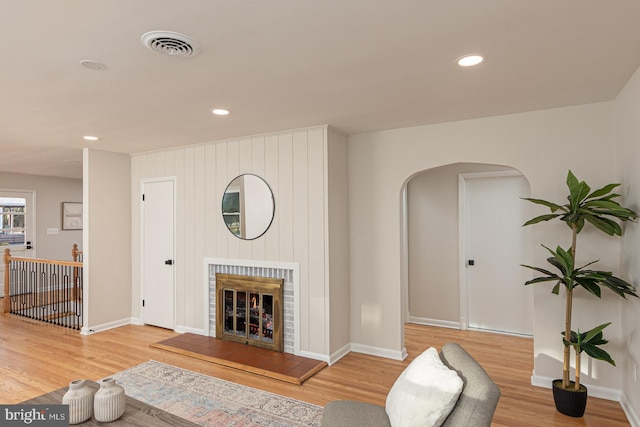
79 397
109 401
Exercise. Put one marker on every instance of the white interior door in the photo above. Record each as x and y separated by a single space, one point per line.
495 247
158 226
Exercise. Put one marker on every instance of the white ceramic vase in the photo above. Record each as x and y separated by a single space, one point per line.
109 401
79 397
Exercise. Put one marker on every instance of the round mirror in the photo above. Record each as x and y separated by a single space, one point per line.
248 206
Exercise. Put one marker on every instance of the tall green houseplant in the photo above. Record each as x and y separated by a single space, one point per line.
599 209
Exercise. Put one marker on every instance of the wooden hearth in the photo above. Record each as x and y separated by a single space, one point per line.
281 366
249 310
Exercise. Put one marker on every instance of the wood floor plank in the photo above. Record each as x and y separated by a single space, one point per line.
37 358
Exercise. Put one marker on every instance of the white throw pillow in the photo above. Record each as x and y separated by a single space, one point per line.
425 392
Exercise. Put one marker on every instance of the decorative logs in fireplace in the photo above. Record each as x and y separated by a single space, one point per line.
249 310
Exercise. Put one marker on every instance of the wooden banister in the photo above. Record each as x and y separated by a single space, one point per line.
77 289
8 259
6 302
75 253
45 261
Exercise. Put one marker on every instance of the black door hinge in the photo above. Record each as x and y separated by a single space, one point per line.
143 303
143 197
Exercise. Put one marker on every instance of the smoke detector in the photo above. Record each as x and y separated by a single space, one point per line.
93 65
170 43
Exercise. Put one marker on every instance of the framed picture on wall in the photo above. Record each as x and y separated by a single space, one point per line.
71 216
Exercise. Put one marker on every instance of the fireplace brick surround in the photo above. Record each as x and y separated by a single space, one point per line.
286 271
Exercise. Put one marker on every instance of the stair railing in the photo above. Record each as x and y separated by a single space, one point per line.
76 254
41 289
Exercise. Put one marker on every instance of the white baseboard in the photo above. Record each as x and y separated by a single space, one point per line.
380 352
188 329
356 348
634 419
435 322
594 390
342 352
88 330
179 328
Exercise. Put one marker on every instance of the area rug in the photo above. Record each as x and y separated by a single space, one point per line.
210 401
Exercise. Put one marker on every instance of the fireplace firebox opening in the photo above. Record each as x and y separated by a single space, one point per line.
249 310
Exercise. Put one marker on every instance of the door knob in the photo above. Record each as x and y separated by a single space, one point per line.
169 262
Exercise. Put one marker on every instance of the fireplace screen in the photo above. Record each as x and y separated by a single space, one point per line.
249 310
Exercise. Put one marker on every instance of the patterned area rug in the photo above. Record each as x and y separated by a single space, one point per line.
210 401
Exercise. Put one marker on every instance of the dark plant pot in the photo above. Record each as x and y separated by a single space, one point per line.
569 401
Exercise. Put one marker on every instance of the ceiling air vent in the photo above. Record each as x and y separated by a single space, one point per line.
170 43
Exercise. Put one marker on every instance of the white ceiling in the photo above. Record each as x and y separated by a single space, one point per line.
358 65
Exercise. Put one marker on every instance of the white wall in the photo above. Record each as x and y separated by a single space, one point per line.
294 164
50 193
338 244
543 145
107 240
628 138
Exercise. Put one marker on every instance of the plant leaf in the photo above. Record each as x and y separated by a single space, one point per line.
602 203
553 206
540 280
590 285
590 335
565 257
604 224
598 354
541 270
578 191
540 218
602 191
572 181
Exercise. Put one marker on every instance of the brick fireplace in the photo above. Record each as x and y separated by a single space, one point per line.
287 272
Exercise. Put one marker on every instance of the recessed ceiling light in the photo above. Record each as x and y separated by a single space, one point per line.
220 111
90 138
470 60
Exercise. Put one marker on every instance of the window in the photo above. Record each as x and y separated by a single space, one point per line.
12 217
231 210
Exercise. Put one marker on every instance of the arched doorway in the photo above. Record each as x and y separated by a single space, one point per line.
435 264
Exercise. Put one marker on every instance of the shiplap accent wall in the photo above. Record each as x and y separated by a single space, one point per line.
294 164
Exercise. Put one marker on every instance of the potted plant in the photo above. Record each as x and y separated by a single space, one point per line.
599 209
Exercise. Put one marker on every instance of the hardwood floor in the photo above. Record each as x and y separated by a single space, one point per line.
37 358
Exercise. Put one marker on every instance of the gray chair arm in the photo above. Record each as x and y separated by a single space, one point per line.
349 413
